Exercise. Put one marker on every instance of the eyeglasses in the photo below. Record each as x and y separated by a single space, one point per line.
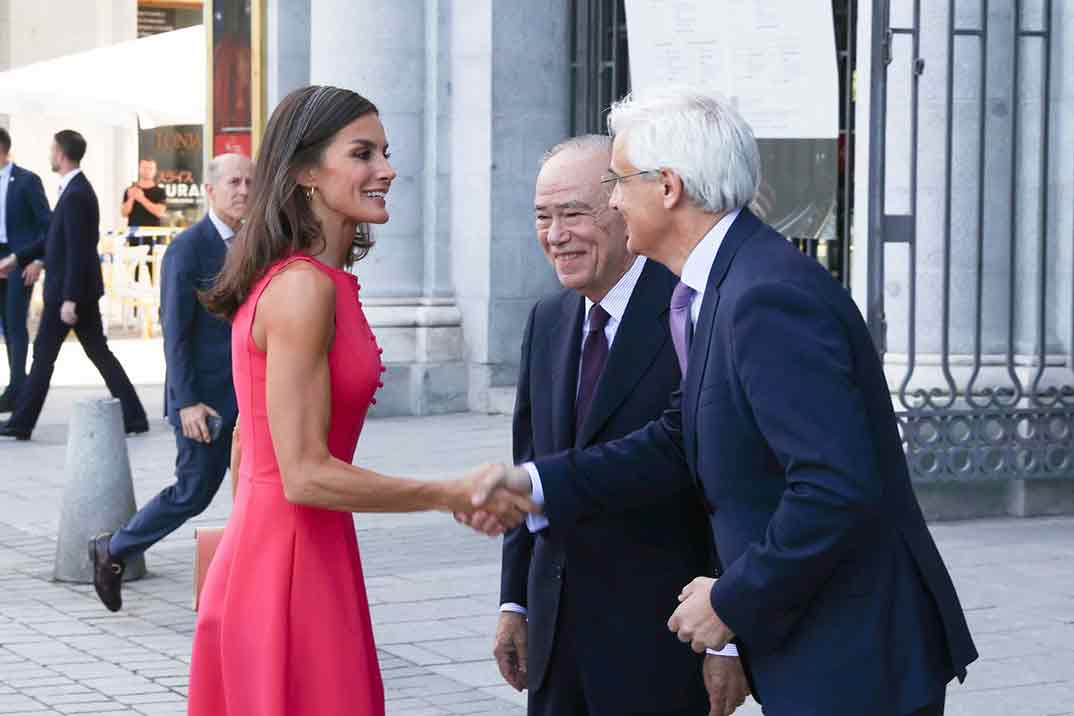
613 177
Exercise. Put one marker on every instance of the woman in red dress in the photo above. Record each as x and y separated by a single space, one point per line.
283 626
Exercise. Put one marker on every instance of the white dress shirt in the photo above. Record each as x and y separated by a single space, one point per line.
66 179
5 179
225 231
695 274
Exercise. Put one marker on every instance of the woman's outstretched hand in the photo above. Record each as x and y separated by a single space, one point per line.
493 499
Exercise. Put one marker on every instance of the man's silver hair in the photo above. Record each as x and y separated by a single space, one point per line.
583 142
216 166
699 136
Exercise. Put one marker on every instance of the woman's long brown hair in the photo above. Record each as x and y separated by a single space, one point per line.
281 221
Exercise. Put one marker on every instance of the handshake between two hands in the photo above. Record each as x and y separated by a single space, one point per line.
494 499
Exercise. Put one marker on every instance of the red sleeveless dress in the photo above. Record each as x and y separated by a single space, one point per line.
283 627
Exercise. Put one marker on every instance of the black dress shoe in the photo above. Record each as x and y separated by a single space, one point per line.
7 404
136 429
7 430
107 572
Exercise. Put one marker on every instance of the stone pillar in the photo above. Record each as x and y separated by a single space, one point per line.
509 105
390 54
471 94
288 50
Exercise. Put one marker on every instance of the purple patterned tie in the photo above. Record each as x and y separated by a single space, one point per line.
594 356
681 299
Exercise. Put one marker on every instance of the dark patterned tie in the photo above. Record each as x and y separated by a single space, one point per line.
594 356
681 324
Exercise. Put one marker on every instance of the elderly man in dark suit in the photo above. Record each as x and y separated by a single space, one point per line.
24 219
828 577
198 386
598 363
73 287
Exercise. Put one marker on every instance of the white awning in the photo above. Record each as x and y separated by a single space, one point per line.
158 80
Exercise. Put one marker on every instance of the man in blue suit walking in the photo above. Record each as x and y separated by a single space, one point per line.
827 577
197 350
73 288
24 219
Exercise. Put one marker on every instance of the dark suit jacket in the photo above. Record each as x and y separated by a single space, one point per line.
69 249
830 578
197 344
26 214
623 571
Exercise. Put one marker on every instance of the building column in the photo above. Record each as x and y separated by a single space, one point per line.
509 104
288 48
389 54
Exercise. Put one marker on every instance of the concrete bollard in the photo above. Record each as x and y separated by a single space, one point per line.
99 494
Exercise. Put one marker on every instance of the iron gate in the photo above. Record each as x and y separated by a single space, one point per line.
989 406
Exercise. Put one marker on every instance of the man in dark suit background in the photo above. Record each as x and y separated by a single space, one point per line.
73 287
828 576
597 363
197 350
24 218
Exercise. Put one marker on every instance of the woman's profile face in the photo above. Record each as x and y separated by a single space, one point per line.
354 175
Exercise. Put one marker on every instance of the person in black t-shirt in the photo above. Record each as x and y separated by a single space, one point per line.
144 201
143 205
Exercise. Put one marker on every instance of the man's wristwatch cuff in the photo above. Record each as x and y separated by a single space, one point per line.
729 650
513 608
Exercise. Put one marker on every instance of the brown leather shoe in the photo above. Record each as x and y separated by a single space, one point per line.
107 572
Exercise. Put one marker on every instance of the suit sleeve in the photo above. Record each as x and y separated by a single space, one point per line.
518 543
178 308
80 244
39 207
33 252
794 361
620 475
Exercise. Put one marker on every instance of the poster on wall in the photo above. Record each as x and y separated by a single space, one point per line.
774 60
232 84
177 150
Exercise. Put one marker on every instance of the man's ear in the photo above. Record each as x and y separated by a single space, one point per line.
672 188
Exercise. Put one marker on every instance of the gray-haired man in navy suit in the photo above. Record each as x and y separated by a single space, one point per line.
197 350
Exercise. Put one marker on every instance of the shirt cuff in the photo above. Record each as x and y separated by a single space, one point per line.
535 523
512 607
729 650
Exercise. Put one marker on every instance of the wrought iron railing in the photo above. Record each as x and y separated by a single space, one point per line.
971 416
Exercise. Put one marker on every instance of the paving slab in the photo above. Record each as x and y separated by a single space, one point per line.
433 589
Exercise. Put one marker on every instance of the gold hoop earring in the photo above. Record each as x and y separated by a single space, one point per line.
310 191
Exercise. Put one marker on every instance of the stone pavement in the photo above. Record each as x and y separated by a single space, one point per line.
433 589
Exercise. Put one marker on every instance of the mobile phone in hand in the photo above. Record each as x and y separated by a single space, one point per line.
216 425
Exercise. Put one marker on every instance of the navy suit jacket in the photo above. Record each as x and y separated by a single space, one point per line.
623 570
26 213
197 344
830 578
69 249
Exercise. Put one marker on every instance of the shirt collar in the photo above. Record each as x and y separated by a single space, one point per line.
616 300
66 178
6 171
225 231
695 272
